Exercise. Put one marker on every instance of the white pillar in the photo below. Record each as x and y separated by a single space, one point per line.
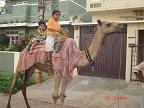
132 37
76 39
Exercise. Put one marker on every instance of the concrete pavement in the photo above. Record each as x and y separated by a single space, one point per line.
84 92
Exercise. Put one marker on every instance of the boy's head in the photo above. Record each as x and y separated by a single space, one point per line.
56 14
42 25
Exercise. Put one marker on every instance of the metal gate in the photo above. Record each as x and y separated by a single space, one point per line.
111 60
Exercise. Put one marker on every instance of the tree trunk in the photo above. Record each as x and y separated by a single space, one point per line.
54 4
41 9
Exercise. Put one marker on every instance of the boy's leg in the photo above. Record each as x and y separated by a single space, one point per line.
50 57
28 47
58 45
33 45
49 47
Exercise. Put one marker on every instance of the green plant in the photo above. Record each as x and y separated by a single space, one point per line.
2 47
14 47
4 40
5 22
11 21
67 19
2 10
22 21
17 21
5 83
74 18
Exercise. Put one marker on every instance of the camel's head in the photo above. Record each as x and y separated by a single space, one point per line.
109 27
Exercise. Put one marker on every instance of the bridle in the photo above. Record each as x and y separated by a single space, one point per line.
88 56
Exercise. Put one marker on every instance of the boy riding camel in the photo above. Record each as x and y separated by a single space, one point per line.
39 36
53 28
53 34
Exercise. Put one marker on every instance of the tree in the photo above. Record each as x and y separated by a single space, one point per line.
2 10
41 9
4 40
54 4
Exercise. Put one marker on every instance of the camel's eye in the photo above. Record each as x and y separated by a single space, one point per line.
108 25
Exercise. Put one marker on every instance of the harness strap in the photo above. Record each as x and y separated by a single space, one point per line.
88 56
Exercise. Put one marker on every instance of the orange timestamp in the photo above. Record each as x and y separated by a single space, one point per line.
116 98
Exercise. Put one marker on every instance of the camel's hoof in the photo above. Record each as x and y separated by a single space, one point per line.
63 95
8 106
55 97
28 107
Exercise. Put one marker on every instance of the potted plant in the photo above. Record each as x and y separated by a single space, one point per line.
11 21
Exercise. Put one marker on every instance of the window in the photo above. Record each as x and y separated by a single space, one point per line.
13 35
13 39
95 5
91 6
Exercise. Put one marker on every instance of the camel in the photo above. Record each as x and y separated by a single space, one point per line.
103 29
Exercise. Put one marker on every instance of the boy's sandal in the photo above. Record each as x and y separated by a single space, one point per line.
49 62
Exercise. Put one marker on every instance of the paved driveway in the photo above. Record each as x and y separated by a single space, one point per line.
84 92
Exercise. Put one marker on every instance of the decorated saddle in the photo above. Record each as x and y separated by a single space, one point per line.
64 59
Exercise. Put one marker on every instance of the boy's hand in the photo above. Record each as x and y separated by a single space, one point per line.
53 30
59 30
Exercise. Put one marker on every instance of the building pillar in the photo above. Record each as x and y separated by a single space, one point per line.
132 37
76 39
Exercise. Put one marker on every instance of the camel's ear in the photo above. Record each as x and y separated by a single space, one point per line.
99 22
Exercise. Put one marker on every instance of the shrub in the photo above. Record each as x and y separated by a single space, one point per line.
5 22
11 21
17 21
14 47
2 47
4 40
5 83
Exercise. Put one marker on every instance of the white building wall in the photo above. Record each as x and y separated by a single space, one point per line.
114 5
8 61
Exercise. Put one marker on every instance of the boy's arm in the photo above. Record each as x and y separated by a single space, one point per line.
54 30
51 27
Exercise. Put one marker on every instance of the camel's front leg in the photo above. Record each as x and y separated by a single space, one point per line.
11 89
63 91
28 75
57 82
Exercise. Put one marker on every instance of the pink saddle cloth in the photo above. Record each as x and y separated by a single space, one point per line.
67 59
26 60
64 61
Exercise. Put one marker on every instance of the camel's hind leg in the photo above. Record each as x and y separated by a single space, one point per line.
63 91
57 82
11 89
28 74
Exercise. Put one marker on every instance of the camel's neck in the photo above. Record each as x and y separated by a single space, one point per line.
96 43
94 47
